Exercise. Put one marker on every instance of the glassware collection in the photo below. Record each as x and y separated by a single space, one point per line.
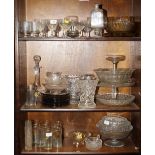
80 91
97 25
47 135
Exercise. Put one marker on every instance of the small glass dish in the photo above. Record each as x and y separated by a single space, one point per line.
93 143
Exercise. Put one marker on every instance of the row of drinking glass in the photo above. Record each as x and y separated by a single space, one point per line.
43 134
56 28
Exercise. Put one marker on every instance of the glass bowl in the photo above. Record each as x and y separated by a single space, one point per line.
113 129
121 75
124 25
120 100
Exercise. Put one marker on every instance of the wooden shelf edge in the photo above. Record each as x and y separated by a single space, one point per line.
68 148
71 108
81 39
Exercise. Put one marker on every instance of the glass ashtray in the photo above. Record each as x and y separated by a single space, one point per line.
120 100
93 143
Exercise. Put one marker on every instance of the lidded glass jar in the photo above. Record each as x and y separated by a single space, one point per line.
98 17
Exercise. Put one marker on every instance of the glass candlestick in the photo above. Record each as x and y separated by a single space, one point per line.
36 68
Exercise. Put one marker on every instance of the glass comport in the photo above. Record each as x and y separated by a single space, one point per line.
113 129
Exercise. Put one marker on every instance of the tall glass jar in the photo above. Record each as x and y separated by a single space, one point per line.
57 134
98 19
28 135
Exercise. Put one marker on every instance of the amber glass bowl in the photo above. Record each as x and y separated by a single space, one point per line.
121 25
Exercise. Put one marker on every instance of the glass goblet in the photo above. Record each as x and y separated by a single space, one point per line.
64 27
80 26
51 28
87 29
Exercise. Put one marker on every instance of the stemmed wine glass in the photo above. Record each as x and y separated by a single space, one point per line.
80 26
64 27
53 26
87 28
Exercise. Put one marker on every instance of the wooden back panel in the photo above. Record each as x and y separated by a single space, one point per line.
59 9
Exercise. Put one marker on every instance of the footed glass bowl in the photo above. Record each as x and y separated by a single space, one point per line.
113 129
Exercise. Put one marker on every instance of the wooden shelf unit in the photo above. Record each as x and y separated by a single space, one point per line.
71 56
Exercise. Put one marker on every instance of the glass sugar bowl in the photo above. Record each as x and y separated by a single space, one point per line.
113 129
93 143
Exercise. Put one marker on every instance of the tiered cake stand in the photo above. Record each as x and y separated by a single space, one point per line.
115 78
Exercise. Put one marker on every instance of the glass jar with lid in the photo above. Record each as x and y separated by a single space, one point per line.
98 19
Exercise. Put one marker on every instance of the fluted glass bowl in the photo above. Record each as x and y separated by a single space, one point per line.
113 129
124 25
108 75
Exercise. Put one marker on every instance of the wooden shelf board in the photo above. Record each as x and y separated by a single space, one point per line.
68 148
74 107
80 39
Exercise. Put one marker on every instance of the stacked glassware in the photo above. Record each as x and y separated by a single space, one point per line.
114 78
54 91
113 129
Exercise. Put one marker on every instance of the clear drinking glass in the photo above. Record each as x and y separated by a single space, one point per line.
48 139
35 28
57 134
36 133
26 28
41 24
87 91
